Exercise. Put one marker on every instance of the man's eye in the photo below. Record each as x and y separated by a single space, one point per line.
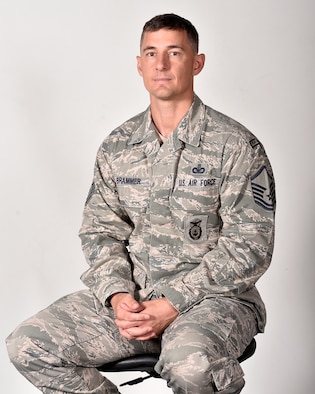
150 54
174 53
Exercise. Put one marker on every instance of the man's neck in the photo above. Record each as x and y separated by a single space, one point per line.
166 115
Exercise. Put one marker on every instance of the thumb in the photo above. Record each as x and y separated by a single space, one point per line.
130 304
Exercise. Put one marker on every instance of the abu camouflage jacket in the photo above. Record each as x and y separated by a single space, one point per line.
189 219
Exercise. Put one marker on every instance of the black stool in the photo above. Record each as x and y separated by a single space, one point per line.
146 363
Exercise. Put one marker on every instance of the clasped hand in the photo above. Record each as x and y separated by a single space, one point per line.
142 321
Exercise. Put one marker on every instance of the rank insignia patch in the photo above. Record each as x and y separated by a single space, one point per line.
263 189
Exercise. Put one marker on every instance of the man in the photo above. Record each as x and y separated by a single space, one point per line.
178 227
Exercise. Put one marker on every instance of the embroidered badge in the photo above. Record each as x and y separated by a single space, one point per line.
195 228
198 169
263 189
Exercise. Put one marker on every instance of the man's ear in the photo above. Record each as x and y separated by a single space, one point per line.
199 63
139 68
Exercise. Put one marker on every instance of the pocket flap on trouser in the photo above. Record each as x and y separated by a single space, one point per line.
228 373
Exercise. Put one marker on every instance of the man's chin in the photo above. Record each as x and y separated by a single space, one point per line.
163 95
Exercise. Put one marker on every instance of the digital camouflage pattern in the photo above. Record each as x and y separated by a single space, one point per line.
192 220
58 349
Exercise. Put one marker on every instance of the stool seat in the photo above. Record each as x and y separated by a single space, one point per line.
146 363
139 362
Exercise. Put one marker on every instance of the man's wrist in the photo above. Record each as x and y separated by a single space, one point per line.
111 298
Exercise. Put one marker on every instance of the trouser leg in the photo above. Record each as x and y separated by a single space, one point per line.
59 348
200 348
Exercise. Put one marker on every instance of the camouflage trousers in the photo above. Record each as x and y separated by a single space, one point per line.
59 348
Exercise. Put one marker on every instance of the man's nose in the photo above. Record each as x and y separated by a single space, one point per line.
162 62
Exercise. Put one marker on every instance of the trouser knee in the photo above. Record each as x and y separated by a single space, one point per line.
23 349
16 349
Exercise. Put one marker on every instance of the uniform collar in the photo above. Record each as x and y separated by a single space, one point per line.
190 128
188 131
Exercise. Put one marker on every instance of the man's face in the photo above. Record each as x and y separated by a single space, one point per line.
168 64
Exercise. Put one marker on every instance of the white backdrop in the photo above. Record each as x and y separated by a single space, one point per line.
68 77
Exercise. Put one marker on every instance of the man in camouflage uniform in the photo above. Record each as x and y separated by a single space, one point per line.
178 227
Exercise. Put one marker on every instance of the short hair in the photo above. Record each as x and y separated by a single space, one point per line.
173 22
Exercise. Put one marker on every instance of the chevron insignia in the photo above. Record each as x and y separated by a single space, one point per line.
263 189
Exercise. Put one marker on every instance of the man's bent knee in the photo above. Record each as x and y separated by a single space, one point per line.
22 349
